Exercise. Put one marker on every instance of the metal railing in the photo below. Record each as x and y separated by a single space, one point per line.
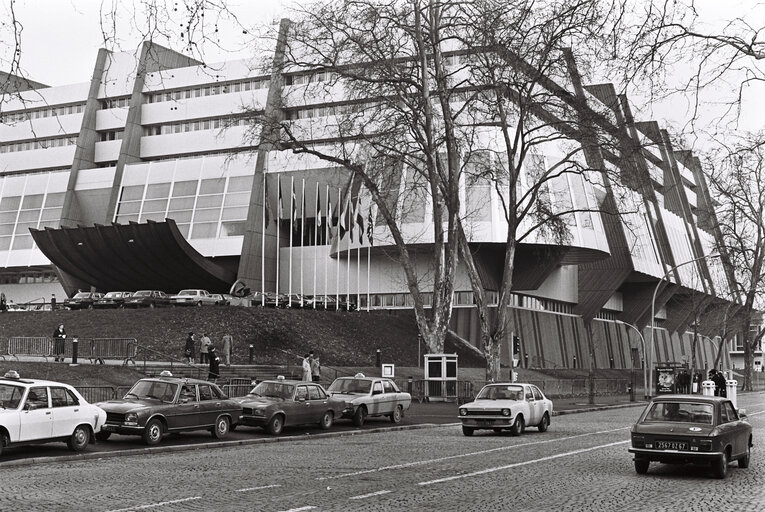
142 350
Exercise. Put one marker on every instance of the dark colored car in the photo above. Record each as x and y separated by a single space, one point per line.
82 300
147 299
274 404
156 406
683 429
269 299
112 300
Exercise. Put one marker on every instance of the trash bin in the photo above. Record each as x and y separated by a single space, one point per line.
708 388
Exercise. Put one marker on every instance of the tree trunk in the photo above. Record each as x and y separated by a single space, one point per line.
492 350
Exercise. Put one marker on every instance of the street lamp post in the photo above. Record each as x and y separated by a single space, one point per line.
645 376
653 311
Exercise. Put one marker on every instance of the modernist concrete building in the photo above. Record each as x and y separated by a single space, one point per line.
90 172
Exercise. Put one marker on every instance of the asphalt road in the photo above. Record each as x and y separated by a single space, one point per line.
580 464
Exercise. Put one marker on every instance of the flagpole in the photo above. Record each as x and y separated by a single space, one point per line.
292 220
327 227
316 241
369 261
263 247
302 241
350 239
339 253
358 255
278 229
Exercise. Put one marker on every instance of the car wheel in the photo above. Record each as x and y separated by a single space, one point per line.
641 466
199 304
3 442
221 428
544 423
152 434
79 439
397 414
90 306
360 416
743 462
151 305
720 467
276 425
467 431
103 436
518 427
326 420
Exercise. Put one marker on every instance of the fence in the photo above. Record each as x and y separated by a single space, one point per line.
30 346
96 349
237 387
113 348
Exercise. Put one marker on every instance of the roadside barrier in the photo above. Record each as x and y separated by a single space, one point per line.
95 349
113 348
237 387
30 346
95 394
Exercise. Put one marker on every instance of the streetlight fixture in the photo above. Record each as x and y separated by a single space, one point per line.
653 311
645 356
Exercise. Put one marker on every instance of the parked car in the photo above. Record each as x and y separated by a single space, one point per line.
274 404
112 300
221 299
268 299
147 299
41 411
192 297
82 300
506 406
370 396
682 429
159 405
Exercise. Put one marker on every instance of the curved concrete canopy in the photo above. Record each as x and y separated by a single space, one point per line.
135 256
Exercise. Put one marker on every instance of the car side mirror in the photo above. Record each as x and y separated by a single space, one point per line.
742 414
30 407
184 400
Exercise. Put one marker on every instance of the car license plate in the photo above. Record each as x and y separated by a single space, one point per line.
485 423
107 428
671 445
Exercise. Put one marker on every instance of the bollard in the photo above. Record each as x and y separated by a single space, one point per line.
252 352
631 392
378 358
75 343
730 390
708 388
409 385
525 360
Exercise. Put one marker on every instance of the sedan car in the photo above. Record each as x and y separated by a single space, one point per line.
370 396
147 299
41 411
192 297
82 300
112 300
156 406
682 429
507 406
274 404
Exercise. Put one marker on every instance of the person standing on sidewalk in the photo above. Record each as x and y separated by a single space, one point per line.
228 345
214 365
315 367
188 349
204 349
59 343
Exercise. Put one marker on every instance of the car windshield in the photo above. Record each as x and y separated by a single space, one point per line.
499 392
686 412
158 390
142 293
82 295
10 396
274 390
350 386
187 292
112 295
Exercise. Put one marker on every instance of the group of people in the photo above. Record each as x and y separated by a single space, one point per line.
720 381
208 354
311 367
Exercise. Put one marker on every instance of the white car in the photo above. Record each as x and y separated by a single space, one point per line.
192 298
370 396
506 405
41 411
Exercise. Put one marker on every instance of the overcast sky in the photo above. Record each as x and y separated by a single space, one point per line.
60 39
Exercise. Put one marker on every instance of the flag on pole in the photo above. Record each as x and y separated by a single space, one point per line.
370 227
318 207
330 221
343 215
280 210
294 207
359 220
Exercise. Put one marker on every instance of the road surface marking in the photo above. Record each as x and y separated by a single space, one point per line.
161 504
258 488
470 454
517 464
370 495
309 507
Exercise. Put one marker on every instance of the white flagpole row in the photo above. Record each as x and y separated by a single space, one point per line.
263 246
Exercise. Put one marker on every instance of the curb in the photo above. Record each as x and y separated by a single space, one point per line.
265 440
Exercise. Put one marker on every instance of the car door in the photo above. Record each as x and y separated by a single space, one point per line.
377 399
65 409
534 406
733 428
388 400
301 411
209 407
186 411
36 416
317 404
540 403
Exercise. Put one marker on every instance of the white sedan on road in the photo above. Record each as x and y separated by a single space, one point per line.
193 297
506 405
41 411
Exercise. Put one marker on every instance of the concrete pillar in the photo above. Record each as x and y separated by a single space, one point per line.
708 388
730 390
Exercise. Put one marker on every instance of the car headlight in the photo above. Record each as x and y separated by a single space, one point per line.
258 412
463 412
505 412
131 418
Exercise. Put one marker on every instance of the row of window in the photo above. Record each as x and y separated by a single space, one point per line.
209 90
194 126
25 115
45 143
28 277
111 135
115 102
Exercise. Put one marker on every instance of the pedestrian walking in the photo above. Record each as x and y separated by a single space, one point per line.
59 343
306 368
214 364
315 367
204 348
188 349
53 302
228 346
